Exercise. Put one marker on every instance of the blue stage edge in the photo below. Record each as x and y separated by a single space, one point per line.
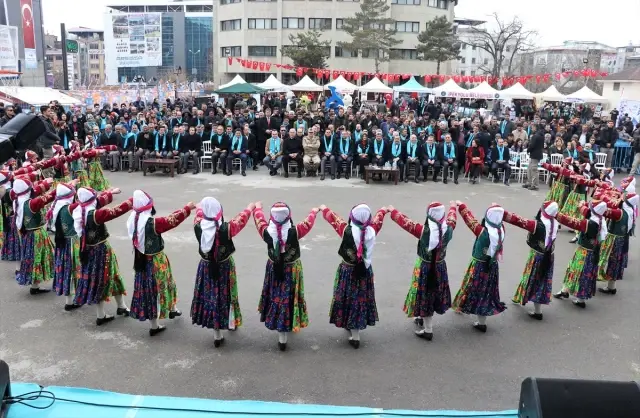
128 406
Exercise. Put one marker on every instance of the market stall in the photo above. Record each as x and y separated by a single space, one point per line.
484 91
306 84
273 84
517 91
36 96
586 95
342 85
450 89
236 80
551 95
412 86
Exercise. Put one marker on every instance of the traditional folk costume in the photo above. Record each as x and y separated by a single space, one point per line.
77 166
429 292
561 186
100 277
215 295
580 277
537 278
571 207
154 290
282 305
96 176
36 265
61 170
353 306
614 251
479 293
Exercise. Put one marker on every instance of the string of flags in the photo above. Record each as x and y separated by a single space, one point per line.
428 78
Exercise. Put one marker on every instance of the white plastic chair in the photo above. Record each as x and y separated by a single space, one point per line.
601 160
556 159
514 157
206 153
524 165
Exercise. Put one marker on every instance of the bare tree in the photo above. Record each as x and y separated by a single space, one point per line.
502 42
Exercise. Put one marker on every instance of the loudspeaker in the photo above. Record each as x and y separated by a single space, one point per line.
5 388
25 129
561 398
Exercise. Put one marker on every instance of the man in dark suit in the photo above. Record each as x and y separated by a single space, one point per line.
397 154
327 153
448 154
292 151
219 150
413 152
535 149
252 146
505 127
264 125
238 147
430 158
344 153
500 160
379 150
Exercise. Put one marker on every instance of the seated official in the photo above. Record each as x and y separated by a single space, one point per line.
500 160
129 145
362 148
292 151
475 161
430 159
143 148
344 154
177 140
273 153
397 155
238 149
310 147
327 153
448 153
252 146
412 153
379 150
190 147
219 149
162 143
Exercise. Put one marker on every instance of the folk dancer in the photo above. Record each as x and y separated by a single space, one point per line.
571 207
560 188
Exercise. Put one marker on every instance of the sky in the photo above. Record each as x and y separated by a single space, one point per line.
613 24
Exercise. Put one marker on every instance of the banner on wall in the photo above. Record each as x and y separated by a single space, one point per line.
8 49
631 108
136 39
28 35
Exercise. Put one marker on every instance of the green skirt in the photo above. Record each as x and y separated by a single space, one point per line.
96 176
572 206
557 193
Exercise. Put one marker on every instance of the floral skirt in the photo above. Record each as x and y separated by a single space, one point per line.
100 277
12 247
429 292
572 205
537 279
557 193
354 298
96 176
282 306
82 177
479 293
582 272
614 255
67 267
154 290
36 265
65 179
215 299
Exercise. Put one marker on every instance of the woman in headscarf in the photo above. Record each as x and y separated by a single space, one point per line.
215 296
100 277
78 166
475 161
429 291
479 293
562 183
537 278
582 271
571 207
36 265
96 175
353 306
154 290
61 170
282 305
614 251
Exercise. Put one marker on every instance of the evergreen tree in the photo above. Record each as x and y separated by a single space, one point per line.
307 49
438 42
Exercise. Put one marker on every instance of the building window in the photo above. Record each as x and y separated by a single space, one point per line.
485 61
157 9
167 45
443 4
339 23
473 60
229 1
405 54
473 73
462 46
231 51
320 23
372 26
616 86
432 3
406 2
199 47
262 51
341 52
413 27
264 1
463 72
227 25
263 24
95 66
353 1
94 46
292 23
463 60
371 53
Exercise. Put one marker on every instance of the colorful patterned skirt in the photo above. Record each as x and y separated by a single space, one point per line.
572 205
64 179
582 272
557 193
282 306
537 279
96 176
82 177
36 265
354 298
12 247
68 269
429 292
614 255
154 289
213 299
479 293
100 276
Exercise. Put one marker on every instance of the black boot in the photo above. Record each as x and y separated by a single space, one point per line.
123 311
537 316
282 346
481 328
607 291
102 321
174 314
347 175
155 331
72 307
354 343
218 343
561 295
38 291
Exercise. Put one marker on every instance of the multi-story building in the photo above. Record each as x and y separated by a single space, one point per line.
55 68
155 38
91 60
258 29
626 57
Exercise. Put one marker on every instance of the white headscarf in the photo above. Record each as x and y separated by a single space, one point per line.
550 209
212 214
88 201
64 196
630 205
496 235
360 217
596 216
631 187
142 207
436 229
279 224
22 193
586 171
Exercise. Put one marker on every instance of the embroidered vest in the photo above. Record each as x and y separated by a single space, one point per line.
589 239
481 247
153 242
32 220
225 243
423 244
537 240
64 223
348 250
619 228
94 232
293 246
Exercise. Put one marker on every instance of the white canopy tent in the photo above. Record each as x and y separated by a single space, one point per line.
273 84
38 96
450 89
517 91
375 86
236 80
306 84
341 84
586 95
551 95
484 91
412 86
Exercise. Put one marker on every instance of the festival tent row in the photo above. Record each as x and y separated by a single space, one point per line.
36 96
412 86
273 84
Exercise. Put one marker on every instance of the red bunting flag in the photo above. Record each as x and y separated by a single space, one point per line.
427 79
261 66
299 72
254 65
230 60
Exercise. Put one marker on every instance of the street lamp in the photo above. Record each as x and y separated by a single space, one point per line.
177 73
